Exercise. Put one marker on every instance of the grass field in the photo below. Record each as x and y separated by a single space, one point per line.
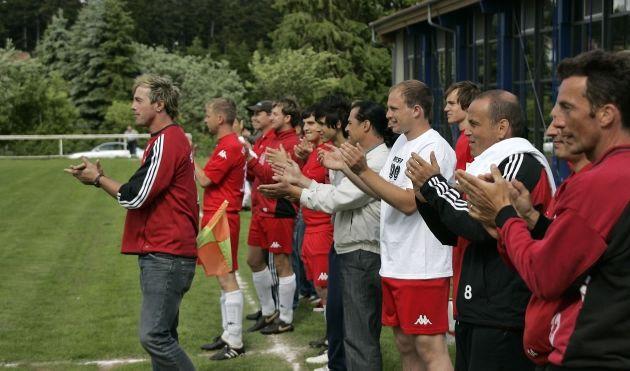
69 296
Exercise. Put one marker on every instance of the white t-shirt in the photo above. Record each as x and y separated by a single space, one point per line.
409 250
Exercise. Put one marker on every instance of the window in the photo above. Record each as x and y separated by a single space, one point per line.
533 64
446 57
619 25
485 50
588 26
411 71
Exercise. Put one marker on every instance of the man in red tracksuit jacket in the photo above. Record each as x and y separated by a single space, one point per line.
272 229
582 260
162 221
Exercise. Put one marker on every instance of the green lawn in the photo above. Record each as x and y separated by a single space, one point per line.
69 296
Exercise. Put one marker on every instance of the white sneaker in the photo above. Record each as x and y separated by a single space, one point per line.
318 360
324 368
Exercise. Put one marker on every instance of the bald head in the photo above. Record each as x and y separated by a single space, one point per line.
503 105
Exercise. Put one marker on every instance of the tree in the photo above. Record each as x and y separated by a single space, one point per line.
302 73
102 65
339 28
54 48
24 21
32 101
199 78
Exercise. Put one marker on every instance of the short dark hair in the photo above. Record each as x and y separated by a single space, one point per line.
467 91
310 111
337 109
291 108
416 93
226 106
607 79
376 115
504 105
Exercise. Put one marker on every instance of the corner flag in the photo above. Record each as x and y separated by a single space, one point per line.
213 244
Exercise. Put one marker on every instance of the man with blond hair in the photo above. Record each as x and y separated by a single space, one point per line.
162 219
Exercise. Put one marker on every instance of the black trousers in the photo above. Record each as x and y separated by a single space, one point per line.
334 315
482 348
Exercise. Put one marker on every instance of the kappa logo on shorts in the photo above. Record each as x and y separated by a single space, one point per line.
423 320
323 276
275 245
222 154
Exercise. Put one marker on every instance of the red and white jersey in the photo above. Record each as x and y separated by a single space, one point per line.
409 250
161 198
312 169
226 170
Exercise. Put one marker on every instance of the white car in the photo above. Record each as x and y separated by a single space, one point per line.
108 150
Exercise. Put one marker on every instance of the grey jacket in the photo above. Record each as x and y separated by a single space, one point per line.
356 214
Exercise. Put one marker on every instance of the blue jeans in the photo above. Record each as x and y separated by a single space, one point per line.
164 279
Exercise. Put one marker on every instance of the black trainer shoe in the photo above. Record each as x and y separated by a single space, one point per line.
319 343
277 327
228 353
217 343
254 316
263 322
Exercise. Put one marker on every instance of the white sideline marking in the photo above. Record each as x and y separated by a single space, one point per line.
102 364
280 347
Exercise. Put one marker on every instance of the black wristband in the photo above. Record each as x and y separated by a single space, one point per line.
504 214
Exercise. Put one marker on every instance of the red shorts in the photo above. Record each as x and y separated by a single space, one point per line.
273 234
255 238
234 221
316 244
418 307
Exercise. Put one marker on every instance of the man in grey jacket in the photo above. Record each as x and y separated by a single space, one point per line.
356 230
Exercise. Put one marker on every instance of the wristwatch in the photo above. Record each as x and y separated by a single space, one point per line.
97 181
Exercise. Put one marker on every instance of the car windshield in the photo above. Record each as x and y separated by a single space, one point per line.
109 147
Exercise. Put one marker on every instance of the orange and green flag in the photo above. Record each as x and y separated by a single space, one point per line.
213 244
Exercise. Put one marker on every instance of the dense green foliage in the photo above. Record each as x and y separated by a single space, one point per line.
86 53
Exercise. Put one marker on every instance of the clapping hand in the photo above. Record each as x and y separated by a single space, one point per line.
86 172
354 157
330 157
276 155
303 149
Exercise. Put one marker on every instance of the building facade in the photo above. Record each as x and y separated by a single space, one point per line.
513 45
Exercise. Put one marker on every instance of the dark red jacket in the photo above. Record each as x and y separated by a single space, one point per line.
260 168
161 197
539 312
259 148
582 262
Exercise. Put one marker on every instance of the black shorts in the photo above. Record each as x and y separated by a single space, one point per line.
483 348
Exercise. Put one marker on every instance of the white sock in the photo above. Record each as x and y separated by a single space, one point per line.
233 334
223 317
285 292
263 283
